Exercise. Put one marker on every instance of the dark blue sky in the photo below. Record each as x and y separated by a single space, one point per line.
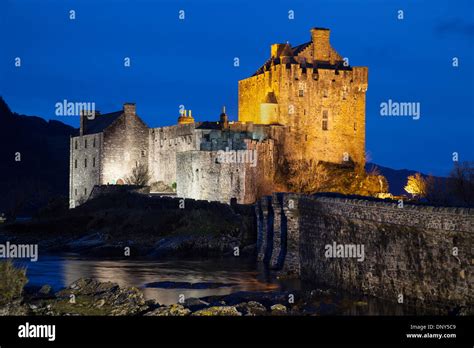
190 62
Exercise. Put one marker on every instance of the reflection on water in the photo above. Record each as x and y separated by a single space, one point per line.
60 271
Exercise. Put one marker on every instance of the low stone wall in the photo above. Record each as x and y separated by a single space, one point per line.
411 253
100 190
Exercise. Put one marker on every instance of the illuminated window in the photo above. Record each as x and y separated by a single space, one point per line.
325 120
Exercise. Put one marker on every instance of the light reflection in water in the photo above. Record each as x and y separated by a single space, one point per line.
62 271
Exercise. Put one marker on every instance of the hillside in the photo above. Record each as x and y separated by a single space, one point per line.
42 172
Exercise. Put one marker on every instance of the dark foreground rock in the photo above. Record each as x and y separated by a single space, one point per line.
86 297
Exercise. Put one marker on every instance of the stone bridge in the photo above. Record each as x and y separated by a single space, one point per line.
415 254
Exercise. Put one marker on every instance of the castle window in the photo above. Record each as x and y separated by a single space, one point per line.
301 93
93 162
325 93
85 191
85 162
325 120
75 192
93 142
75 145
75 163
143 153
85 143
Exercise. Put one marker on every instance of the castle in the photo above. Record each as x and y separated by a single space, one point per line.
304 103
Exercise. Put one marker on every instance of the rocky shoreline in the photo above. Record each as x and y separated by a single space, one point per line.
86 297
89 297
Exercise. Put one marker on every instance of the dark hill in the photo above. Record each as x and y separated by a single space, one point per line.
42 172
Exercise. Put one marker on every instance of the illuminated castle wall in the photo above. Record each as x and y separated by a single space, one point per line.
305 102
313 91
106 150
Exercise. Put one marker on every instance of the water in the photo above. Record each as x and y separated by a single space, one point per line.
60 271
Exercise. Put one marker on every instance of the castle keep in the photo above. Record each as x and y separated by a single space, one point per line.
305 102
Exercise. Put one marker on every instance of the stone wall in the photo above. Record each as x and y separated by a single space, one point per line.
125 145
419 254
84 166
103 190
203 175
322 104
165 143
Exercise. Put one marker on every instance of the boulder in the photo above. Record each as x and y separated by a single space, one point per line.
174 310
278 309
218 311
251 308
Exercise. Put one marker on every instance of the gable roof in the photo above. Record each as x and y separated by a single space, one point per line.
101 122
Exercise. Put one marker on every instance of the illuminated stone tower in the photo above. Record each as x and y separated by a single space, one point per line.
313 91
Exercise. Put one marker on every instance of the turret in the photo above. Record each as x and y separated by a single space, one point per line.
269 109
224 120
185 118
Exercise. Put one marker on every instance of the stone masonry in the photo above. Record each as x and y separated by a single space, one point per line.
306 102
422 253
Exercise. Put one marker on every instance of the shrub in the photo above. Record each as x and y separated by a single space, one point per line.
12 281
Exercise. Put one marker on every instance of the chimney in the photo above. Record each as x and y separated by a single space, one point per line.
322 48
224 120
276 50
82 125
129 108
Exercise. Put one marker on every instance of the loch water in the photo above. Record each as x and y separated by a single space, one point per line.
197 278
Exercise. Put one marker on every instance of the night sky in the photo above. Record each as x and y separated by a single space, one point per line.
191 62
